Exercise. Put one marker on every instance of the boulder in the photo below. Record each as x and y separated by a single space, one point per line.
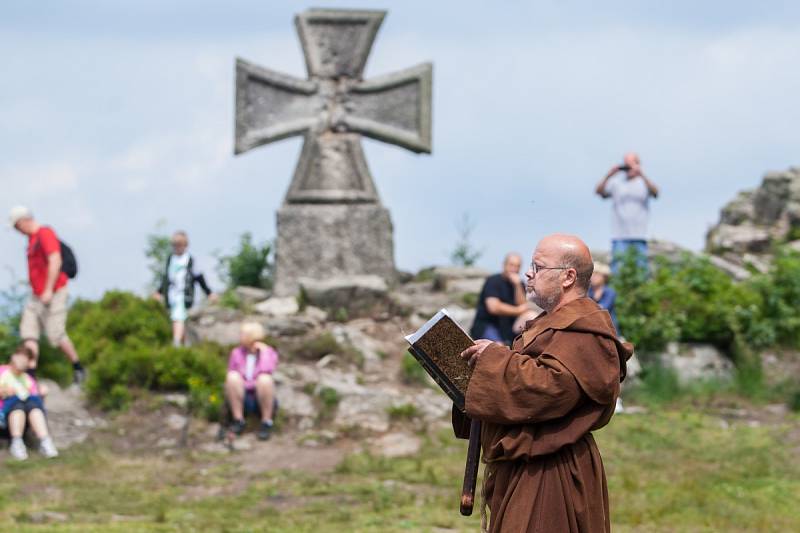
739 239
696 362
215 325
397 444
221 325
348 297
295 404
68 419
352 334
278 306
287 326
754 219
459 279
251 295
735 271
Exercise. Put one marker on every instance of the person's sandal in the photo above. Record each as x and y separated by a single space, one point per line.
265 431
238 426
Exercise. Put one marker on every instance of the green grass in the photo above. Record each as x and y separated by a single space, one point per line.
685 471
670 470
411 372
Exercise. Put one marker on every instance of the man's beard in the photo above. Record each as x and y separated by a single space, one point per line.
547 302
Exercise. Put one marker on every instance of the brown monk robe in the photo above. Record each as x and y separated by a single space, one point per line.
539 402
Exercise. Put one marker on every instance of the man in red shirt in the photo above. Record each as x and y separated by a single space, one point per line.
47 306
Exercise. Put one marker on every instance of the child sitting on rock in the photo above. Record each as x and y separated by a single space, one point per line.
249 387
22 404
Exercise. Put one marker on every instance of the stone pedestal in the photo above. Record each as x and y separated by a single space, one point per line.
328 240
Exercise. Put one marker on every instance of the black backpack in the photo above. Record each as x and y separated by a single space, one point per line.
69 265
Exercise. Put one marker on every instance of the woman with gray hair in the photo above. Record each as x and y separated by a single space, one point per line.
249 386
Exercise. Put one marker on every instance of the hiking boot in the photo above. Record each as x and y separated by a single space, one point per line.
18 450
78 376
265 431
238 426
47 448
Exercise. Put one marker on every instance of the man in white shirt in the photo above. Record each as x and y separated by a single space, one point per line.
630 194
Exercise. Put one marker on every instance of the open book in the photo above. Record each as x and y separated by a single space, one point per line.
437 345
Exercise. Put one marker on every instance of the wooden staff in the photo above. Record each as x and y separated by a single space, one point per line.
471 469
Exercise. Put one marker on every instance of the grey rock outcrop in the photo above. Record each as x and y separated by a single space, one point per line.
221 325
348 296
277 306
251 295
696 362
459 279
755 218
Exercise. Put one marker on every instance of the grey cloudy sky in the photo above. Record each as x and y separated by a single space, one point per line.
118 114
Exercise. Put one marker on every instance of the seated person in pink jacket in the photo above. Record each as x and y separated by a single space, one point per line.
21 404
249 386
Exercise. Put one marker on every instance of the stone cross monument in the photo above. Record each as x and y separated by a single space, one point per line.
332 221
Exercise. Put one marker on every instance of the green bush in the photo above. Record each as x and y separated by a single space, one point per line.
794 400
8 342
118 317
199 370
249 266
125 342
157 250
691 300
780 295
688 300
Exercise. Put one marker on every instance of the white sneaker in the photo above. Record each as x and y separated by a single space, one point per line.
47 448
18 450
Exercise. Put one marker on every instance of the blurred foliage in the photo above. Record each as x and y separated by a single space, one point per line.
688 299
249 266
125 342
411 372
465 254
157 251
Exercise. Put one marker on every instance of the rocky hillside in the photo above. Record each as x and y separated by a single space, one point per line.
754 220
344 368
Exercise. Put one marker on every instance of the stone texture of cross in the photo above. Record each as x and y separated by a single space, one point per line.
333 107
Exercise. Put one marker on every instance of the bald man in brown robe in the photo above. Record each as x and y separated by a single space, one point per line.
540 400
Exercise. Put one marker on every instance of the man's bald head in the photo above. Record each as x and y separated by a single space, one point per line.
571 252
512 257
632 159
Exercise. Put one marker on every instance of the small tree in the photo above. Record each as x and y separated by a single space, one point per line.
157 251
250 266
465 254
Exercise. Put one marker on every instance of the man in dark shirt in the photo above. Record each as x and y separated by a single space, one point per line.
501 301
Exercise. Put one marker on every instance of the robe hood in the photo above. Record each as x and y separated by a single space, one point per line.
603 351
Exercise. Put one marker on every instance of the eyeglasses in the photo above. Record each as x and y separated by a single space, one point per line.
536 268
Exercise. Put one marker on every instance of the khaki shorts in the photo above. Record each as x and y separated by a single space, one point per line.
52 318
